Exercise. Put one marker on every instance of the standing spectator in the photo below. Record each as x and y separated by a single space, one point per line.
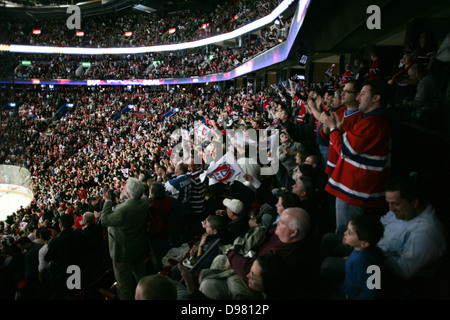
179 189
127 236
361 173
403 88
63 251
426 100
44 266
347 75
349 113
363 70
31 253
94 248
375 71
159 223
197 196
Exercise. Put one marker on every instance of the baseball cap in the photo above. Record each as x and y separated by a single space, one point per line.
235 205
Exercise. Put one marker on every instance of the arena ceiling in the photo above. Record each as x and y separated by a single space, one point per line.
96 7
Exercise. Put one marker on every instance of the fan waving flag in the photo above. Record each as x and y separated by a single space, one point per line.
330 70
226 169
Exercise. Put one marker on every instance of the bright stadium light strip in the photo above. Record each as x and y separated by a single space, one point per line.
265 59
170 47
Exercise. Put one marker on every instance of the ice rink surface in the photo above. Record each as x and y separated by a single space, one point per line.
10 202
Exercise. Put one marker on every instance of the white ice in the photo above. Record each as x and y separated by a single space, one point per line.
10 202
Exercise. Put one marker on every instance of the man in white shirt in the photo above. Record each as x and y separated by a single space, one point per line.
413 236
413 242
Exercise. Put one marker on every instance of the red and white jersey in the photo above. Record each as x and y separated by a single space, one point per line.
363 168
347 123
301 114
375 72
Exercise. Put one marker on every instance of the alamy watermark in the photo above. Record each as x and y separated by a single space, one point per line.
374 20
374 280
74 280
74 21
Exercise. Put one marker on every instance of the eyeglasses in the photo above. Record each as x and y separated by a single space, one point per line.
348 91
253 278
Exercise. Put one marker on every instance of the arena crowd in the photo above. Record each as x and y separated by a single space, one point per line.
113 192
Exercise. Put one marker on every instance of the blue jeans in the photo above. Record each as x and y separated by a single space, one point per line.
344 213
324 151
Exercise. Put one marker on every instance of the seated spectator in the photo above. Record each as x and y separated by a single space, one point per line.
238 222
267 280
215 228
285 200
156 287
413 239
287 150
289 241
304 188
362 235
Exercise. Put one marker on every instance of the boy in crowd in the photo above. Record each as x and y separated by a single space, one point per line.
363 234
346 276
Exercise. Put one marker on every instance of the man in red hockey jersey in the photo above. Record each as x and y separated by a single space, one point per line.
362 170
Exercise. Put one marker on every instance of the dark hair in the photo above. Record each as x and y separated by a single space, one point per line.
38 232
66 221
45 234
183 167
308 185
356 85
307 170
289 200
368 228
315 159
319 91
157 191
378 87
407 187
23 240
303 155
275 276
217 223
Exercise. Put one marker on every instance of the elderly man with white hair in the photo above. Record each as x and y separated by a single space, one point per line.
127 240
290 241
